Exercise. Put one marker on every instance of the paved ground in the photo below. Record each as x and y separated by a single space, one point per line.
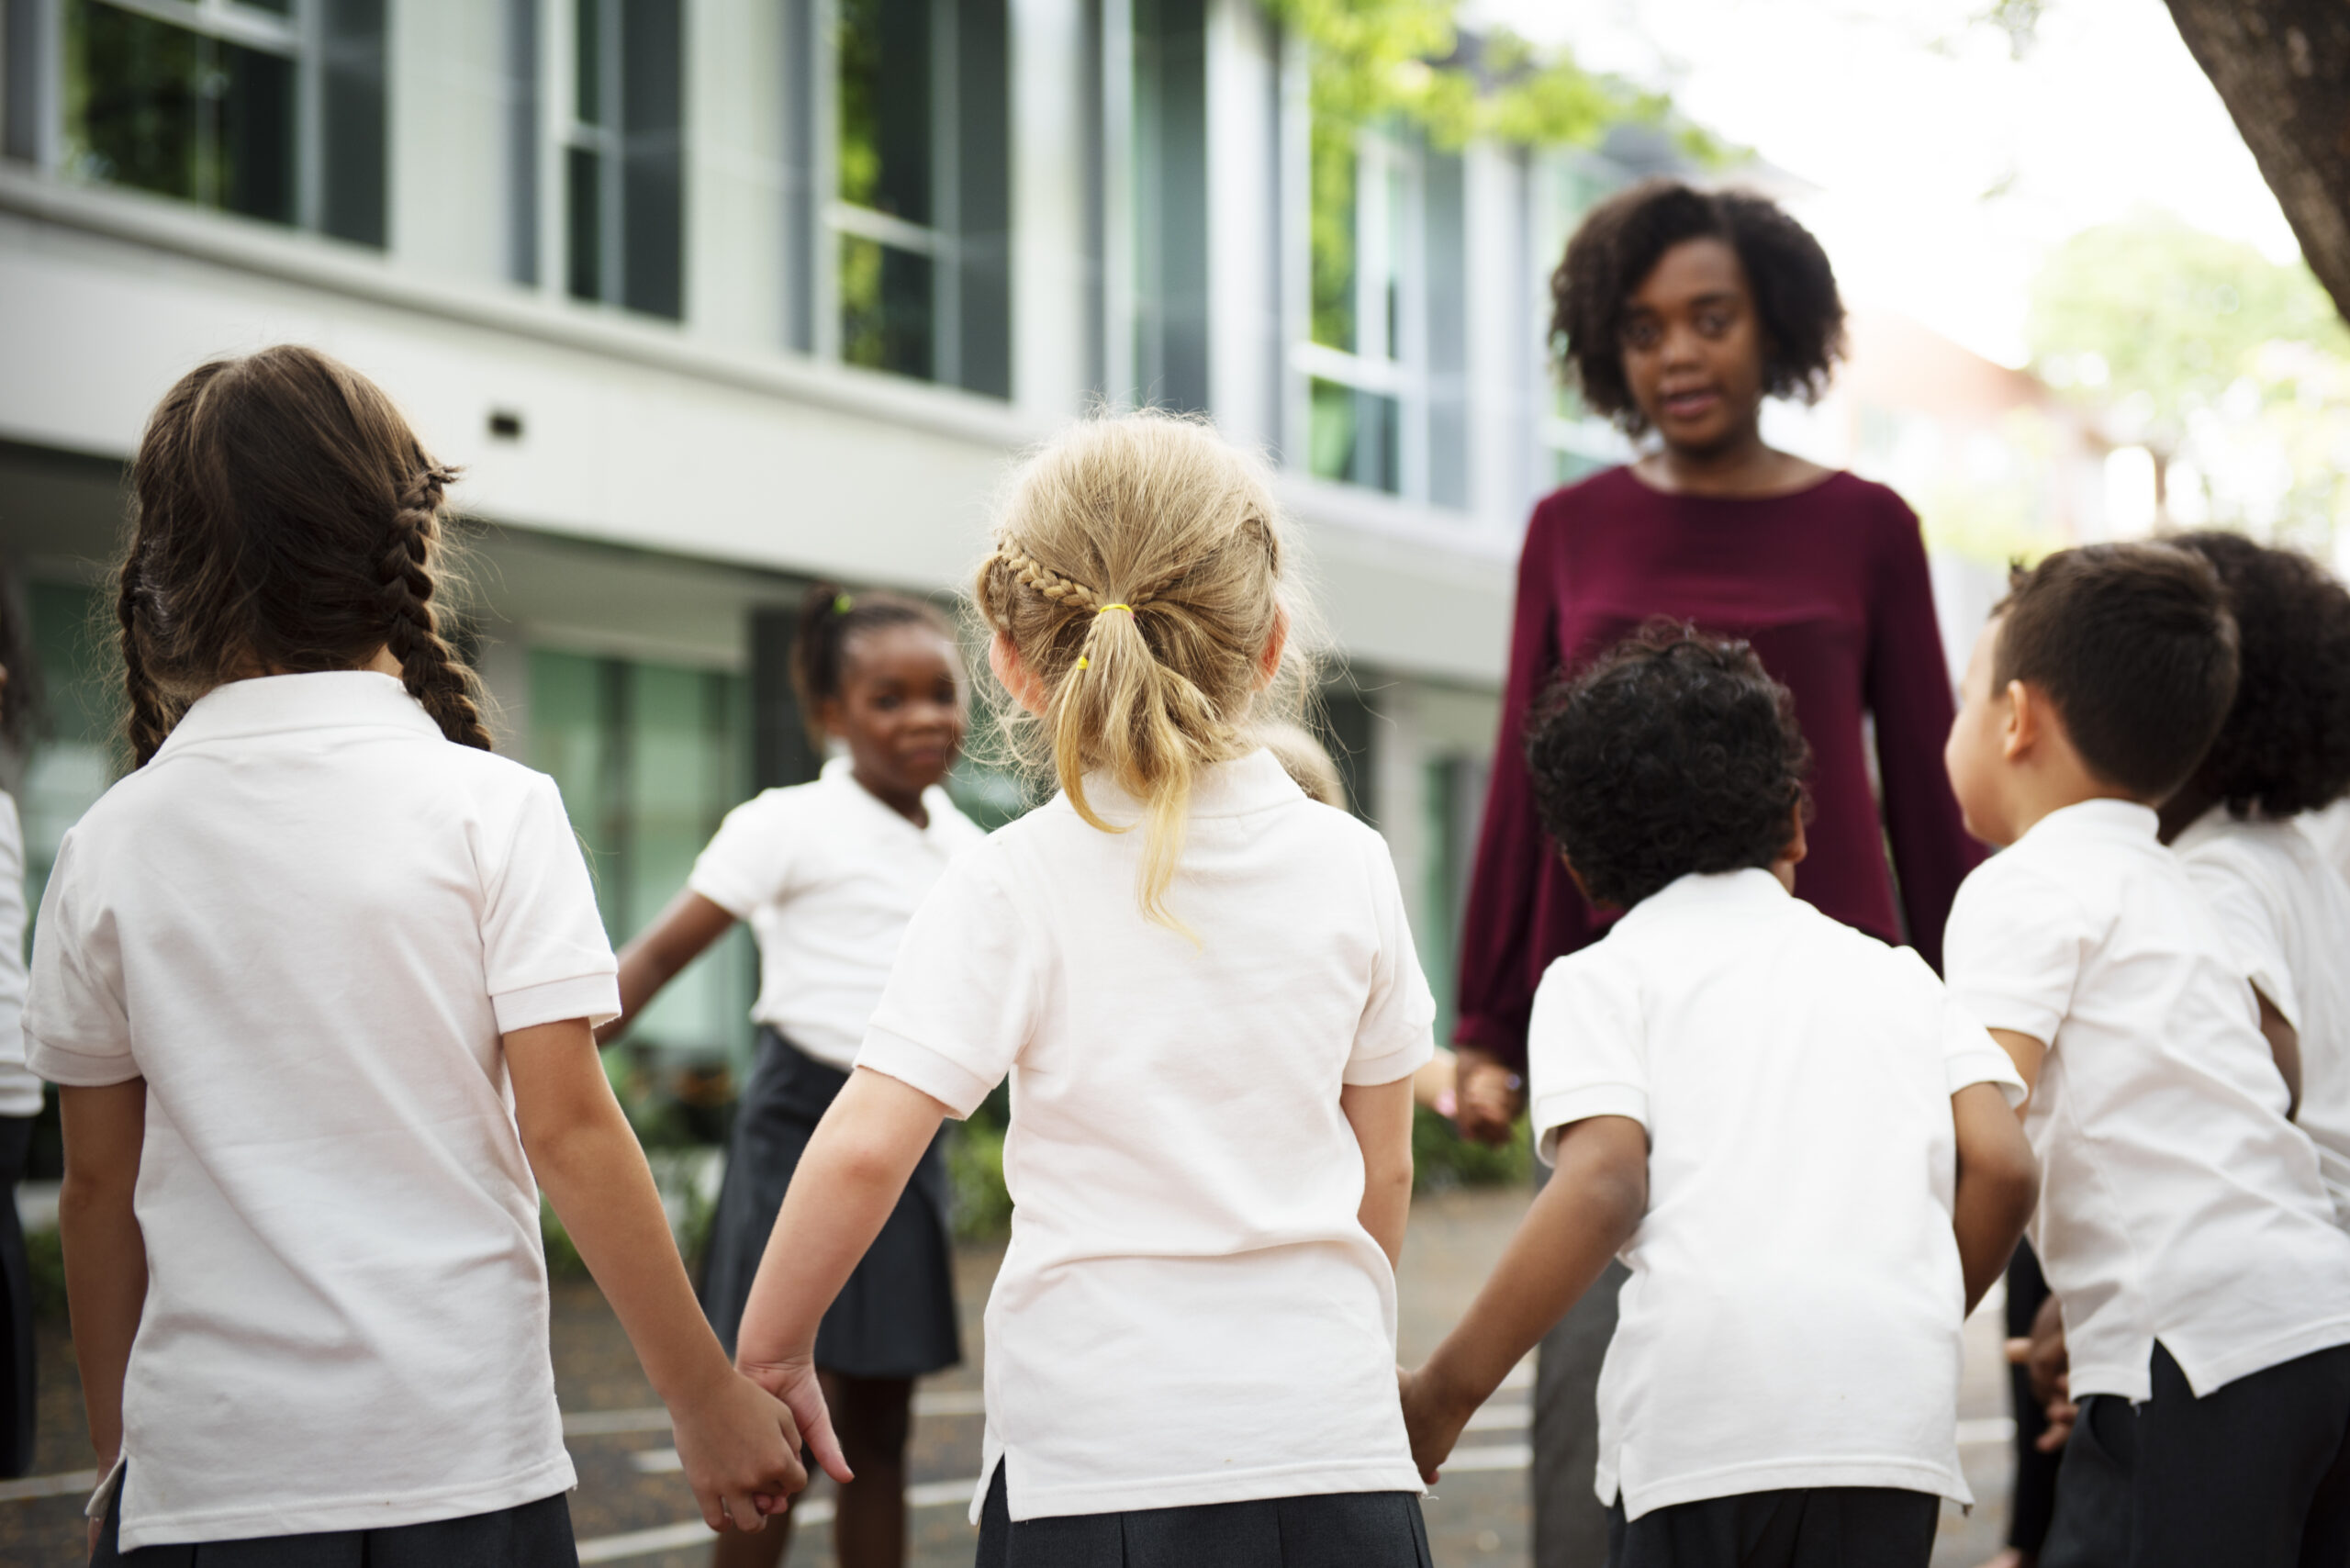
628 1510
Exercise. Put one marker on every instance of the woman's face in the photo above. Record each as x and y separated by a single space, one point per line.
1693 348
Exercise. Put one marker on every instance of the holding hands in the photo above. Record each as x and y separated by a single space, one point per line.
740 1450
1434 1415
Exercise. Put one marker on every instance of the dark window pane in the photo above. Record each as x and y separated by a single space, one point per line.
21 42
883 47
587 61
651 157
1170 202
982 157
279 8
584 204
256 120
522 141
135 103
1352 437
886 308
352 78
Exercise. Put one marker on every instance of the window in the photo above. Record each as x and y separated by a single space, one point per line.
650 757
1382 365
273 109
915 236
1170 202
624 156
1572 443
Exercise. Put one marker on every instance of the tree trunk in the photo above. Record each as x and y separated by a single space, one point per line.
2283 69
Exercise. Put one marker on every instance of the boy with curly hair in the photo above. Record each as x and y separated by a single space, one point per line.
2184 1227
1802 1148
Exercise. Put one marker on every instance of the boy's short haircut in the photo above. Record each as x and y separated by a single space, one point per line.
2134 646
1673 753
2285 746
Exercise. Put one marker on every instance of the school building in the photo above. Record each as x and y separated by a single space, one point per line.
709 298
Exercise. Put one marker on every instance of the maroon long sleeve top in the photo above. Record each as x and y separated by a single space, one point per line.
1829 587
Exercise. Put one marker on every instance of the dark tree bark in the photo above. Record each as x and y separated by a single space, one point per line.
2283 69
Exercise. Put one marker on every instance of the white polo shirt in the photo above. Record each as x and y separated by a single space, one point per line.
827 876
2176 1202
305 924
2286 916
1189 1311
1794 1311
19 1085
2331 831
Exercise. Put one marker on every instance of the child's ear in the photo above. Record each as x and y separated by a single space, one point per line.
830 718
1576 878
2027 715
1268 663
1017 677
1798 845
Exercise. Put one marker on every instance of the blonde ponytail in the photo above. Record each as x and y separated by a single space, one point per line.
1137 574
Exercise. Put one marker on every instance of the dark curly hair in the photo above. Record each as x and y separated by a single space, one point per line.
2285 746
1672 753
1621 243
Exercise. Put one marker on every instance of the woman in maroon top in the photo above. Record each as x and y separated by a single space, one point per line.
1679 312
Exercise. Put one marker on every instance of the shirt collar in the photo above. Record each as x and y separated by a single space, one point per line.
283 704
2097 819
838 774
1253 783
2211 824
1752 887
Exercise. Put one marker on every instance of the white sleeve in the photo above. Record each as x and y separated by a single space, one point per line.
2249 925
12 936
543 949
2013 949
1969 1054
1586 1049
1396 1034
961 1001
77 1028
748 861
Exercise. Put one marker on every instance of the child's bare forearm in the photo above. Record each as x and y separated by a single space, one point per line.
1999 1185
106 1252
1381 1115
859 1161
1580 1220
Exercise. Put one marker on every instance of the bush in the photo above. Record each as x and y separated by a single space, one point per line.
978 1204
1443 1160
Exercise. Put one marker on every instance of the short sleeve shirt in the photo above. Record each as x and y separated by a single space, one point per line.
2285 913
2176 1202
1796 1305
305 924
827 876
1190 1311
20 1093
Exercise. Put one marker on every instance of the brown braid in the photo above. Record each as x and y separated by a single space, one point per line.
1033 573
150 718
429 667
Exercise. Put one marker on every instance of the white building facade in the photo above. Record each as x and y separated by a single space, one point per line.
711 297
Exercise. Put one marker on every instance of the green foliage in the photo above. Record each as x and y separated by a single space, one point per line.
979 1203
1377 59
1442 1159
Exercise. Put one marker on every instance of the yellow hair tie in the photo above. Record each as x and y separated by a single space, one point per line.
1107 608
1084 663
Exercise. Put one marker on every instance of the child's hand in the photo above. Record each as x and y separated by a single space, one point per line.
740 1450
1432 1420
2049 1365
794 1382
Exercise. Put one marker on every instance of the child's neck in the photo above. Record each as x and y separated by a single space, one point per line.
1741 467
2051 796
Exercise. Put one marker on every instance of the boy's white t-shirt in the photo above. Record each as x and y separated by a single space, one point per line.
2176 1202
827 876
1189 1311
2285 913
1795 1313
305 924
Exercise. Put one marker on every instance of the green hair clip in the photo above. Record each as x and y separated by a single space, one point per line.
842 603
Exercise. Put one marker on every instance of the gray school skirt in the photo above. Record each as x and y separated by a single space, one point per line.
529 1535
896 1316
1333 1530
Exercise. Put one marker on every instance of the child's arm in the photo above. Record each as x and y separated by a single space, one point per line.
1381 1115
739 1445
678 934
859 1161
1999 1184
106 1255
1594 1203
2027 1053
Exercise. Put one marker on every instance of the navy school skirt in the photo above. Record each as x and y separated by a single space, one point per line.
1335 1529
529 1535
895 1319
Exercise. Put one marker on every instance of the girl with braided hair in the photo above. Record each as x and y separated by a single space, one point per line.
316 980
1203 991
827 874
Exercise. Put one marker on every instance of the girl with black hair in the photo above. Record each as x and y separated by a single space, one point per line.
828 874
1678 312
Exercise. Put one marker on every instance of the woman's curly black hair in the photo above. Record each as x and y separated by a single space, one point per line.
1672 753
2285 746
1621 243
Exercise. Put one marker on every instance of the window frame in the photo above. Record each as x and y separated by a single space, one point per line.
1565 433
298 35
